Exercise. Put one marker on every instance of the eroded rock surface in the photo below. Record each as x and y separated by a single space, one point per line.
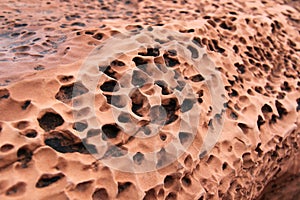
255 46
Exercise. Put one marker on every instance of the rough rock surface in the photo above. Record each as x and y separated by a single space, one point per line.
255 45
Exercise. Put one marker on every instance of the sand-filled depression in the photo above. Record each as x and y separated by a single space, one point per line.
149 99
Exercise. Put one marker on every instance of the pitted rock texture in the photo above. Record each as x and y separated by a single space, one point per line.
154 105
255 46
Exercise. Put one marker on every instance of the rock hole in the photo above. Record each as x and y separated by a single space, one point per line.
281 110
242 40
224 166
6 147
162 157
260 121
39 68
83 186
140 104
157 114
150 52
108 98
171 106
266 68
66 142
185 137
202 154
233 93
258 149
115 151
110 86
21 49
172 52
4 94
28 34
138 158
258 89
161 192
79 126
89 32
285 87
247 161
186 181
233 115
124 117
180 85
223 25
212 23
274 155
197 78
244 127
240 68
171 196
25 104
49 121
68 92
139 61
78 24
187 105
119 101
100 194
144 128
268 87
139 78
65 79
98 36
249 91
188 161
30 133
150 195
110 130
280 95
197 41
16 190
22 125
24 155
48 179
169 181
15 34
164 87
236 49
108 71
216 47
133 28
117 63
123 186
193 51
273 119
210 159
93 132
200 100
266 108
163 136
170 62
73 17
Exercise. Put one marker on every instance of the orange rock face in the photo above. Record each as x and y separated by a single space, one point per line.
149 100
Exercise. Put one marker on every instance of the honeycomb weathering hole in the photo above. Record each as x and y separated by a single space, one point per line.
16 190
150 82
50 120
